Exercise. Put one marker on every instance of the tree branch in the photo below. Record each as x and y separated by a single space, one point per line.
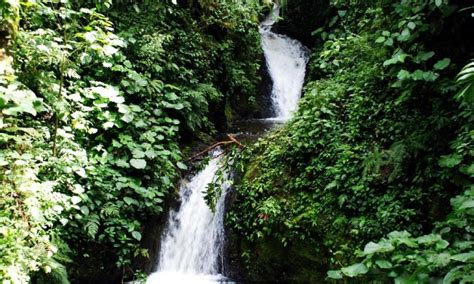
213 146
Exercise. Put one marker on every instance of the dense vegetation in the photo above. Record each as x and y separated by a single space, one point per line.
382 141
101 100
92 113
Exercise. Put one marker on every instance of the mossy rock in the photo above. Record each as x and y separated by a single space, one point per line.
299 262
301 18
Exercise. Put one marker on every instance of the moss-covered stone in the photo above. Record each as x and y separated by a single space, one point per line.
270 260
302 17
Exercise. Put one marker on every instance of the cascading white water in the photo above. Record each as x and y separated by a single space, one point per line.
286 60
191 248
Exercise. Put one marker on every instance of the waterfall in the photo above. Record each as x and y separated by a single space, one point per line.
192 245
286 60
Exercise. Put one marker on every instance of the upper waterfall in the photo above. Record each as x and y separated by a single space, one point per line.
286 60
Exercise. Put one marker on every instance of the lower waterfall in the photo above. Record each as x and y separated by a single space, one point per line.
192 245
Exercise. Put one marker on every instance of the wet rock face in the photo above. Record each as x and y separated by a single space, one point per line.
242 109
151 241
264 99
233 267
301 18
152 238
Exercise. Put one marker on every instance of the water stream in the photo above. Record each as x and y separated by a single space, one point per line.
192 244
286 60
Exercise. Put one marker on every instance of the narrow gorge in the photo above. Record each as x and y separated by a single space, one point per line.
236 141
192 245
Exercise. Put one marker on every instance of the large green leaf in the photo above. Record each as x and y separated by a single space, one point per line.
372 247
138 163
442 64
450 161
137 235
464 257
334 274
355 270
384 264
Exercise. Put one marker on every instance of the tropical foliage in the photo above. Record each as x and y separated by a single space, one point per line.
381 142
91 119
101 102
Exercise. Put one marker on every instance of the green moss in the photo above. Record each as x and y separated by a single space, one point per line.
269 260
229 114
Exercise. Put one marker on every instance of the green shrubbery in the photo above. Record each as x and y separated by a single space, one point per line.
379 144
91 120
